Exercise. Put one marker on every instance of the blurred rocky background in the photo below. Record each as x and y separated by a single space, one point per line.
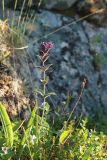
80 50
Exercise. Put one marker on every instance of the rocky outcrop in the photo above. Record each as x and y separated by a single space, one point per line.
77 49
80 52
11 92
82 7
92 6
48 4
59 4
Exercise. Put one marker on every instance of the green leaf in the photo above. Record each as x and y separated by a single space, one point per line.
6 54
17 125
46 107
45 82
47 67
64 135
50 94
27 130
39 91
7 126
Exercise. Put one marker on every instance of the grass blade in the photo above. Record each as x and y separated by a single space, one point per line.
7 126
27 130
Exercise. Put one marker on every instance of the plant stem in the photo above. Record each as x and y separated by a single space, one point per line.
44 91
44 85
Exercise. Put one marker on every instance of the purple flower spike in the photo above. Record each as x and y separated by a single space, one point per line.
44 49
45 46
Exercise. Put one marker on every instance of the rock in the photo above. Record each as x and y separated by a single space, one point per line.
64 45
88 7
66 56
104 100
82 8
11 93
47 4
71 59
103 87
19 3
59 4
48 19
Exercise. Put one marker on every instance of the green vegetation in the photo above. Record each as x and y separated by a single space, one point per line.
10 38
44 142
99 60
40 138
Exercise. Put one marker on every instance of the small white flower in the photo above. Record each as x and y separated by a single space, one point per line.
32 139
5 150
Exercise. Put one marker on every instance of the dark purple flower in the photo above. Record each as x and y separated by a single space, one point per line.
44 49
45 46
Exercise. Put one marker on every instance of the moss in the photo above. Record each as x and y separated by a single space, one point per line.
99 60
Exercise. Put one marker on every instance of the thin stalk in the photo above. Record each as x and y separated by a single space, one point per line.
76 104
28 145
14 14
26 17
36 119
78 100
21 12
44 85
39 4
3 7
44 91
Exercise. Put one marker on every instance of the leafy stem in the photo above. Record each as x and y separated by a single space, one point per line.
44 90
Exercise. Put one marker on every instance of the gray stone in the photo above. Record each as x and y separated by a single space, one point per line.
92 6
82 7
48 19
48 4
66 56
104 100
72 59
59 4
